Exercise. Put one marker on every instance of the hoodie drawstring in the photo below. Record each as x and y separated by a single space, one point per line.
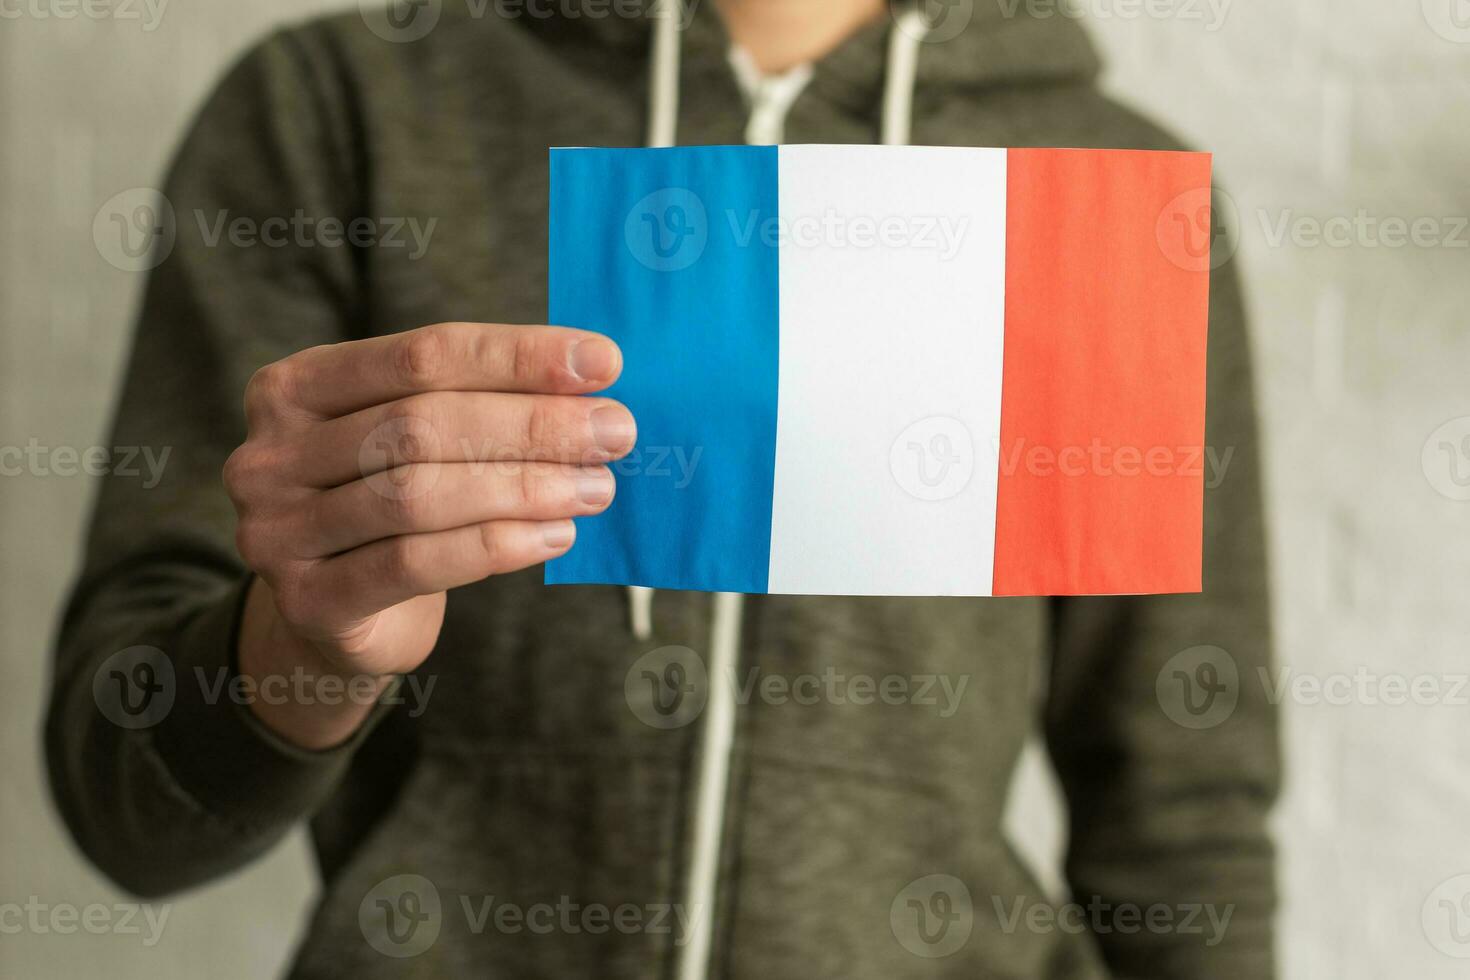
771 102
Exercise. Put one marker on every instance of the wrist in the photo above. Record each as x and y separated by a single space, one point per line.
296 691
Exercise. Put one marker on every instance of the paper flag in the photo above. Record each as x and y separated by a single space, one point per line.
864 370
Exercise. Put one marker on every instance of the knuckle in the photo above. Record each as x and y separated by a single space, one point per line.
245 473
524 357
402 558
492 547
269 389
252 541
236 473
407 499
531 486
421 357
294 599
539 426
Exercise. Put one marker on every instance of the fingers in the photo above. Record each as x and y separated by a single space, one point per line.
427 497
338 379
461 426
377 576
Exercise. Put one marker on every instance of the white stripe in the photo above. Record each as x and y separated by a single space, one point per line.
892 320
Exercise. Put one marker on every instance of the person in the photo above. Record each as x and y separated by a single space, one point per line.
338 601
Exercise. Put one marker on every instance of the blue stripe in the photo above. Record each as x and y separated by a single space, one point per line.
662 251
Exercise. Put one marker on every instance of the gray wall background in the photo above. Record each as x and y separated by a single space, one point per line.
1354 110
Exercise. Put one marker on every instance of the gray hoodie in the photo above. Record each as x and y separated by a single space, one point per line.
529 803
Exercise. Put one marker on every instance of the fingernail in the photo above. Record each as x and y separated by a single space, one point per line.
595 490
613 428
594 360
558 535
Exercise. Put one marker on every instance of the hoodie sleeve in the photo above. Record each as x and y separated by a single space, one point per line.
164 779
1161 731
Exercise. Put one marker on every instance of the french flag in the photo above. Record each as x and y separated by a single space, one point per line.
863 370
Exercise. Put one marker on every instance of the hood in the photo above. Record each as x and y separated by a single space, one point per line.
973 44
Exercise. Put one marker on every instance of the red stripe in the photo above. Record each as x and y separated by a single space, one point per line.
1103 405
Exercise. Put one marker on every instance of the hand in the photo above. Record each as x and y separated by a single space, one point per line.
378 473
